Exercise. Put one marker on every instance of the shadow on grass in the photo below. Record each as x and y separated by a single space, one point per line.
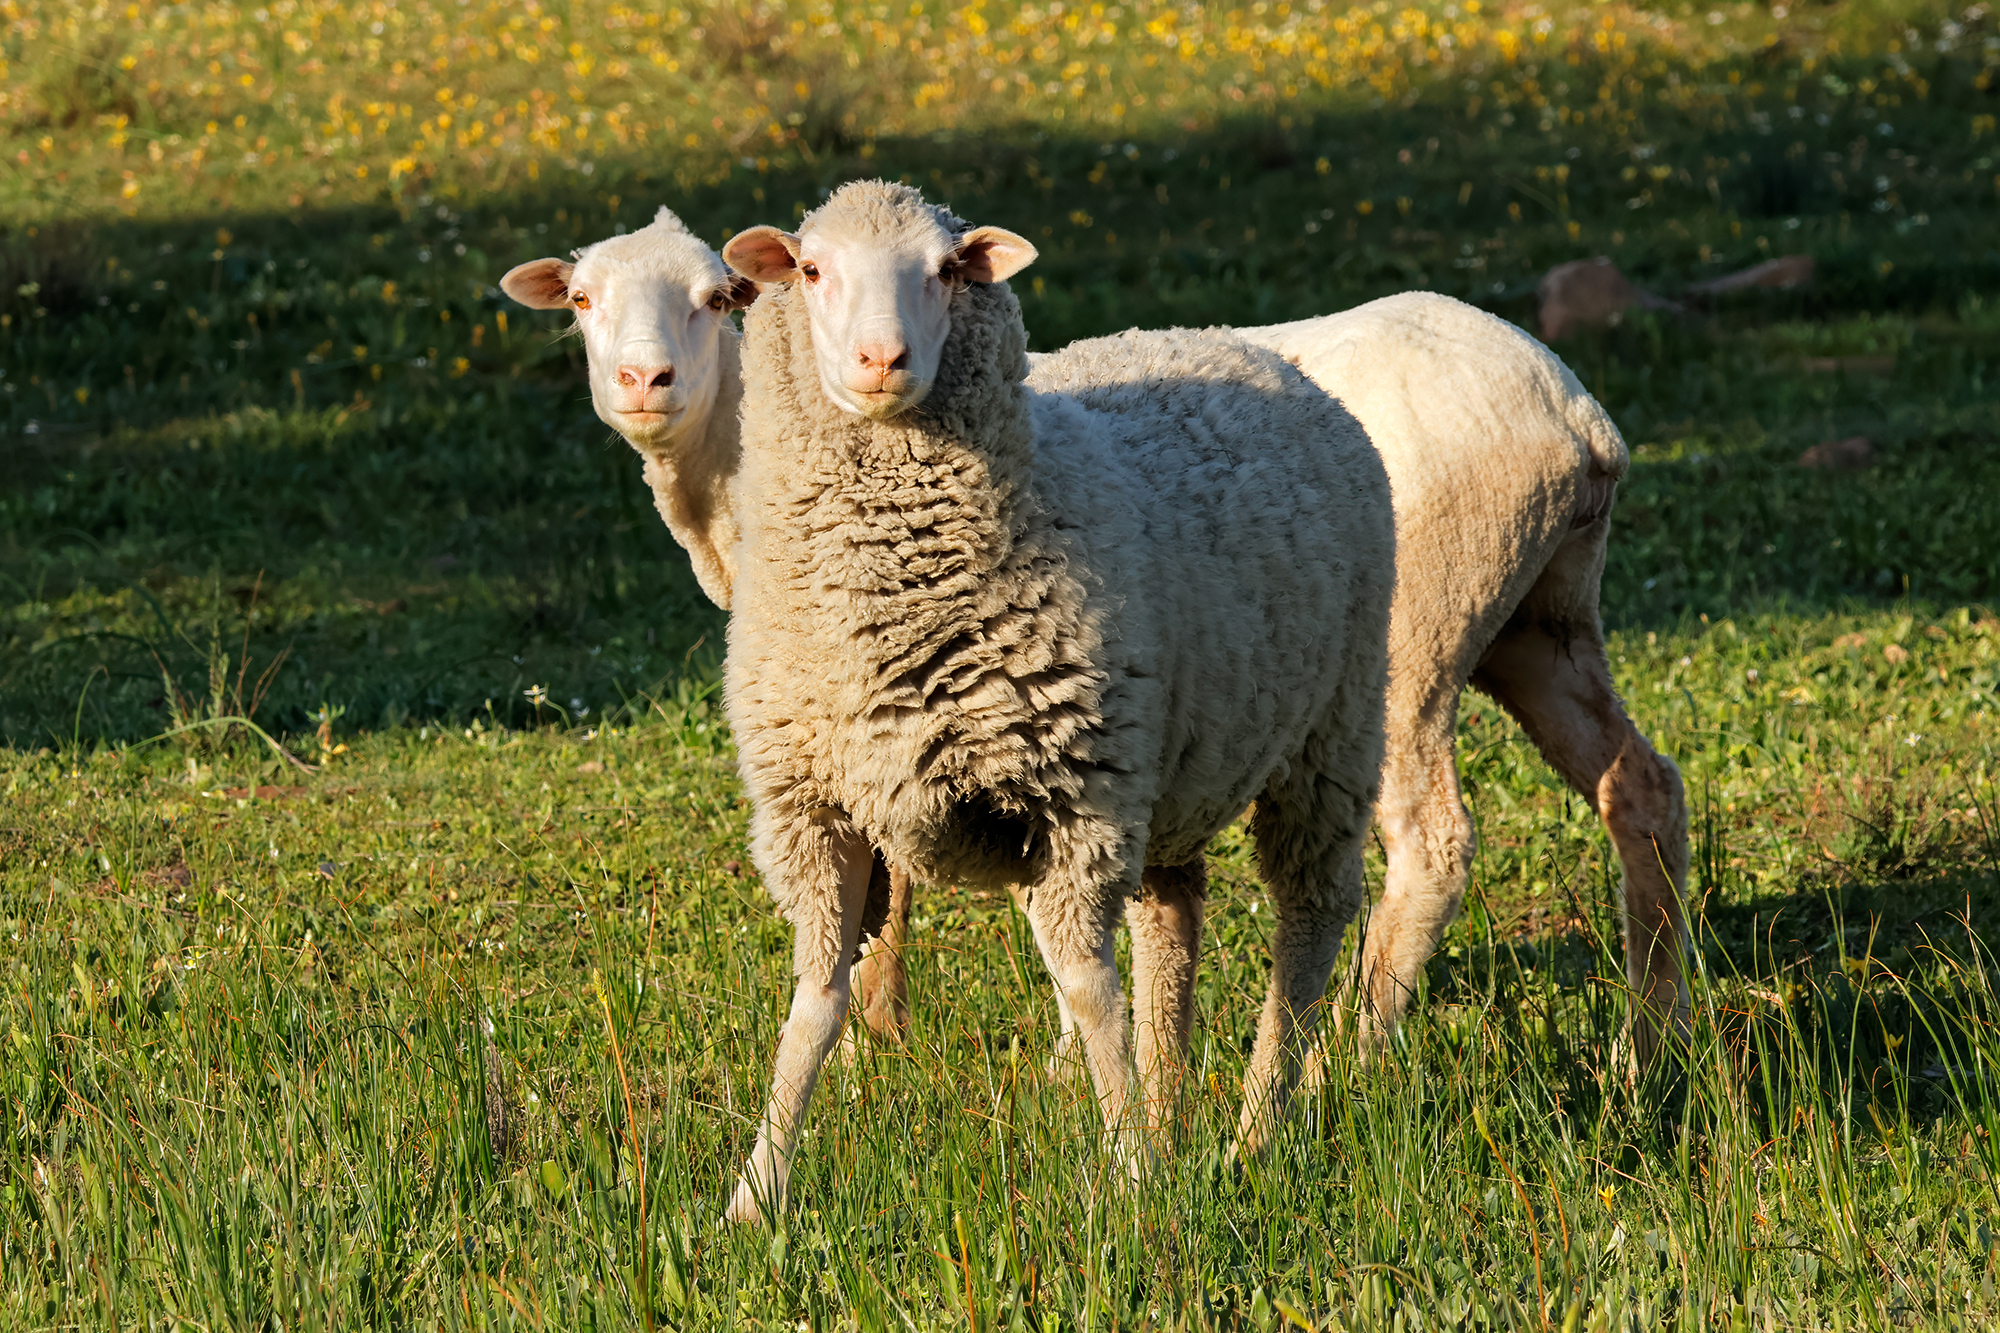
340 401
1854 984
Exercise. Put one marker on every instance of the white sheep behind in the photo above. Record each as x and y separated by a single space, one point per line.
1504 470
652 308
1010 636
665 372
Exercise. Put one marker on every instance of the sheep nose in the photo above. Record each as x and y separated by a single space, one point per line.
883 357
643 378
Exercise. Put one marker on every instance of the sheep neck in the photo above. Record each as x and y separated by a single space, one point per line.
907 598
916 509
693 483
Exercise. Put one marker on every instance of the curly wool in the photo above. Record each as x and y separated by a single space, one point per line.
1014 635
901 601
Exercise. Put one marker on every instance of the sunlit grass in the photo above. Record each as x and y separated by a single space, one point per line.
137 106
343 1049
465 1027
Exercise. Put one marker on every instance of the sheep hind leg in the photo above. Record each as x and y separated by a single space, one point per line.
1428 837
1561 693
881 979
1165 920
1309 843
840 864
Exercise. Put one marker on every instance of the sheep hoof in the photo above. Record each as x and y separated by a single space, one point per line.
743 1207
1131 1161
887 1025
882 1028
852 1048
1141 1159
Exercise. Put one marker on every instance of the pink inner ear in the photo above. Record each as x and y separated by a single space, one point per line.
762 255
989 254
540 284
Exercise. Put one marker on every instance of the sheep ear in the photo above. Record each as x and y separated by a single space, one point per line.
541 284
740 292
990 254
763 254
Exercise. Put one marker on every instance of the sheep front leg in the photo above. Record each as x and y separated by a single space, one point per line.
833 864
1063 1060
1078 945
1166 923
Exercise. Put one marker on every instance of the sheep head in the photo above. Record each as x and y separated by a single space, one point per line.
878 267
651 308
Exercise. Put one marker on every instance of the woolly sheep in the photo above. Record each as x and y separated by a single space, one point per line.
1459 405
1052 638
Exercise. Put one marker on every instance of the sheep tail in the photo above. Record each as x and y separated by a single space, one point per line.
1609 458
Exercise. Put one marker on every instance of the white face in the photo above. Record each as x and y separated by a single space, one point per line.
879 304
651 307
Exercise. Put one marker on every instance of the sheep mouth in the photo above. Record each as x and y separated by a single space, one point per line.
883 403
647 422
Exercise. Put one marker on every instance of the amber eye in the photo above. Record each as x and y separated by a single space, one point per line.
579 300
718 302
811 271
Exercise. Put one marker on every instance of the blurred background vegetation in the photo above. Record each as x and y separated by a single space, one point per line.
260 396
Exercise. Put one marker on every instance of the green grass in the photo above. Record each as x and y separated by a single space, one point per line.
468 1026
261 1028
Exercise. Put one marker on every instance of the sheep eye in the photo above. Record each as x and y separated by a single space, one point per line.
579 300
811 271
718 302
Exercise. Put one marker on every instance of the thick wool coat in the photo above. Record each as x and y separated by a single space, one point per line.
1051 635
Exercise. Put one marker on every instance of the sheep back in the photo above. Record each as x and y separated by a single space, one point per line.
1500 460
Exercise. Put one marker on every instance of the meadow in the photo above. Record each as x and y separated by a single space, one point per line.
378 943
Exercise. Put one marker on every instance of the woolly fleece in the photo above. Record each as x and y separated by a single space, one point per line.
1055 636
1106 619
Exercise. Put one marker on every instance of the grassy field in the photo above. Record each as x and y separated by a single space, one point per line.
467 1026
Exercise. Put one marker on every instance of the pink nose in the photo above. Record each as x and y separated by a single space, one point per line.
643 378
883 357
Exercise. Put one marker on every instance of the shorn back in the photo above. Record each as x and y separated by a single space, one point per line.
1239 523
